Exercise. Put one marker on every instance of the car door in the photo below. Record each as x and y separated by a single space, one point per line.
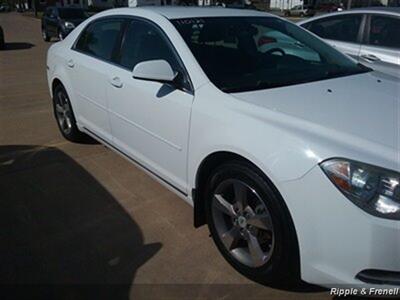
89 67
381 47
341 31
150 120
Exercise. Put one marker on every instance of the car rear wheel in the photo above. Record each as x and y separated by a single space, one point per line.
45 35
251 225
65 116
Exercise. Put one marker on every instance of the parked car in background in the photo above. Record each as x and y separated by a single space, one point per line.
300 11
2 42
290 158
5 8
369 35
60 21
328 7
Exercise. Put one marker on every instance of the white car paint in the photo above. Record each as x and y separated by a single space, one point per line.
284 131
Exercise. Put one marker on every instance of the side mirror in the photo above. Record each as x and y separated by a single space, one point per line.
154 70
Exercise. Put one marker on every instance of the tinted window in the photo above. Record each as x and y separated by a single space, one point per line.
384 31
340 28
100 38
71 13
53 12
143 41
250 53
48 12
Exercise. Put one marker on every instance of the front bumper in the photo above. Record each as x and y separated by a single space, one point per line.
337 240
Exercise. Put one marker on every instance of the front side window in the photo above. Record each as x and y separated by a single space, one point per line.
100 38
251 53
339 28
384 32
142 42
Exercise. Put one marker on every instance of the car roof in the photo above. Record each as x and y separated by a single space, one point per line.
180 12
63 7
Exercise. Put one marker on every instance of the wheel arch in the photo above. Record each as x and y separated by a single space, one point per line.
55 82
59 76
205 169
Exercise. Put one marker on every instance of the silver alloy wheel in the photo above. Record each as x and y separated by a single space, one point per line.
243 223
63 112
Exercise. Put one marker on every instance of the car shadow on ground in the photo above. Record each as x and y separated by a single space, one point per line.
63 235
299 287
17 46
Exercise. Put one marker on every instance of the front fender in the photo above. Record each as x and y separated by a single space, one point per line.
281 155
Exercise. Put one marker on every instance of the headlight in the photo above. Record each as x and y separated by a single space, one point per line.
373 189
69 25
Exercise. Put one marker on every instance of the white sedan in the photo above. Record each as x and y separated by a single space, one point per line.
291 157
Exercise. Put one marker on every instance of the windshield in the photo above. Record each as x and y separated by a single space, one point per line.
250 53
72 13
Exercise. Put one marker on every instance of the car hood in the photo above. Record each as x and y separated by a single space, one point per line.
364 106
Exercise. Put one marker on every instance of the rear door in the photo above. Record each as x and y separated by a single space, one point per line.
89 66
381 47
343 32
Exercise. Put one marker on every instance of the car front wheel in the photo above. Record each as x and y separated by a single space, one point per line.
251 225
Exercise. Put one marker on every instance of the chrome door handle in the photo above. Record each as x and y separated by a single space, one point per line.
370 57
70 63
116 81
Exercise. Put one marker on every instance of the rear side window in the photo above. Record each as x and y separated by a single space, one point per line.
384 31
340 28
100 38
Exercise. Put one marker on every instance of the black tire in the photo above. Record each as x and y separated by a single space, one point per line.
73 134
2 43
283 267
45 34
